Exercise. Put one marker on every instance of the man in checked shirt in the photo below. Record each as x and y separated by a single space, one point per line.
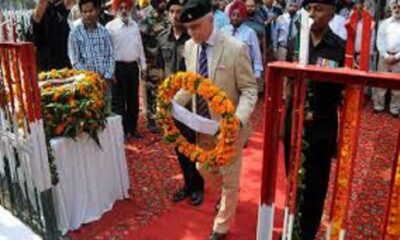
90 46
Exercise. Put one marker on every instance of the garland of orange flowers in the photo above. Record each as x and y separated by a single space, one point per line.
218 101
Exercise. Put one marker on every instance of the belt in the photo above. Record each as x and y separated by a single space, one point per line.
126 63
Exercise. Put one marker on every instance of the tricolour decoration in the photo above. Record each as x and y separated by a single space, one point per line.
349 130
72 103
218 102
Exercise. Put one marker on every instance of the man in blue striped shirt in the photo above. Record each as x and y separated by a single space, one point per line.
90 45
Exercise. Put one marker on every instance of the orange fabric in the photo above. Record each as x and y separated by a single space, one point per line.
117 3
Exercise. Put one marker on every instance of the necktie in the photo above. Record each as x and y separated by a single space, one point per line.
234 31
290 32
201 104
290 41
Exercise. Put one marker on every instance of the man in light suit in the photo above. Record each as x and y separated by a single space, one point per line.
226 62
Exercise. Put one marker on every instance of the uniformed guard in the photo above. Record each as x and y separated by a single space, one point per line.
322 119
150 28
171 59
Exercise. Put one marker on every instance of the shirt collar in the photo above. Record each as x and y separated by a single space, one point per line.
121 23
392 19
171 35
98 25
327 40
212 39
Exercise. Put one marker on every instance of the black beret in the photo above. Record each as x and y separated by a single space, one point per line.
326 2
175 2
195 9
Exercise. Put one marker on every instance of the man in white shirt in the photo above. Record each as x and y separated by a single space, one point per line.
388 43
338 26
129 57
285 32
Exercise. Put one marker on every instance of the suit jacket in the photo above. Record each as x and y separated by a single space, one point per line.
230 70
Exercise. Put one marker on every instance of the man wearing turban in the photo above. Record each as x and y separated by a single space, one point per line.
130 60
242 32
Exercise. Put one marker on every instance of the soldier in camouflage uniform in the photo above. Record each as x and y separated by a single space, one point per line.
171 45
151 27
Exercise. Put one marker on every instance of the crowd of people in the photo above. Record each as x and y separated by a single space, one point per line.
135 45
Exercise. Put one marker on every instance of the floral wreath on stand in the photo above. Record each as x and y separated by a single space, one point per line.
72 103
217 100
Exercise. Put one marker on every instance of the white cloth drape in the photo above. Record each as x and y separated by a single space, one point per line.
91 179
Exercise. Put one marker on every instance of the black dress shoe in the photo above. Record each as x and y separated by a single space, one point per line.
216 236
180 195
197 198
395 115
137 135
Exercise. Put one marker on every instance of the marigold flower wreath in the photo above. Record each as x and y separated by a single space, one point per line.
217 100
72 103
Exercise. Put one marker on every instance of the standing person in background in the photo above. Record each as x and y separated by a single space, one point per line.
388 43
90 46
255 22
348 6
269 13
130 60
74 14
245 34
144 9
338 26
359 8
106 14
284 39
223 4
171 59
286 30
150 28
220 18
50 33
226 62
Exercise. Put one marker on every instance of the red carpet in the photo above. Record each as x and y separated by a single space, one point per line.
155 176
372 173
